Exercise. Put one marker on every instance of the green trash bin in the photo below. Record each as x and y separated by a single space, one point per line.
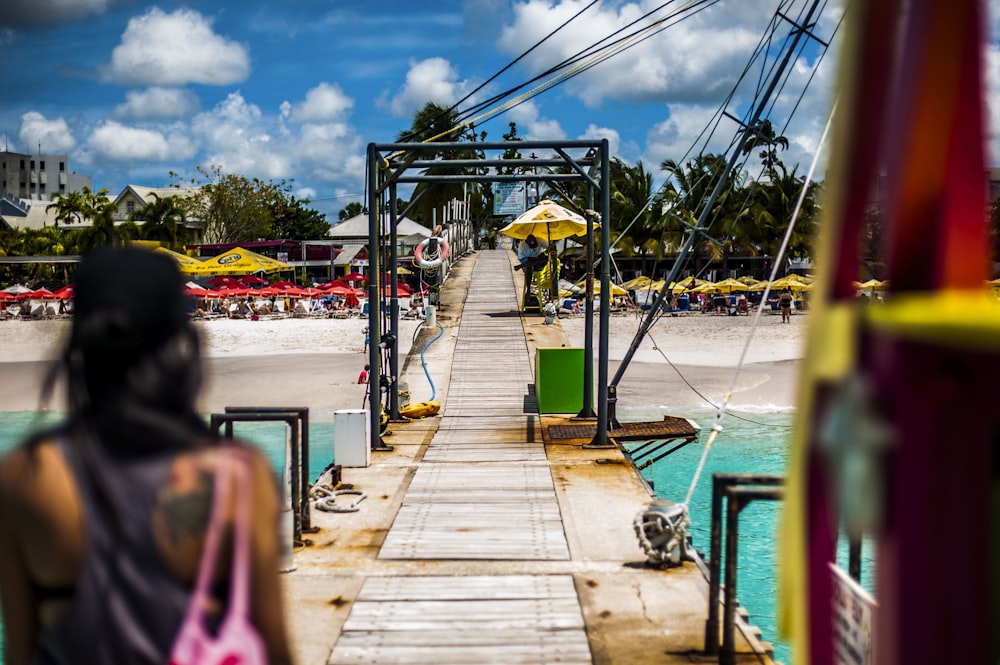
559 379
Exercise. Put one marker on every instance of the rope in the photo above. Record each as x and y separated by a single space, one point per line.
326 499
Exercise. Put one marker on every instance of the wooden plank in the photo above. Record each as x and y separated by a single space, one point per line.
464 587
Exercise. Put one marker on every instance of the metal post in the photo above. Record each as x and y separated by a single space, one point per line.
854 557
393 309
588 324
600 439
374 309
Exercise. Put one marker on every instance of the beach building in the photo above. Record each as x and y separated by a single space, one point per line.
38 177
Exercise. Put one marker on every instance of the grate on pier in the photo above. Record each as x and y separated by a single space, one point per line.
671 427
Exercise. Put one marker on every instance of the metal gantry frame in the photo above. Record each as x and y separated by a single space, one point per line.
392 164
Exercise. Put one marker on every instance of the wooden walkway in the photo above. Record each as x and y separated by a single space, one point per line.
483 491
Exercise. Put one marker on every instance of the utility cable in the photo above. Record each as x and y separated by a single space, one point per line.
721 411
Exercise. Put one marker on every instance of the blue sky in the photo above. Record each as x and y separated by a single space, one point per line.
295 90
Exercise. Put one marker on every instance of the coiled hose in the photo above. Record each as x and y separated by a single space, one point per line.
423 362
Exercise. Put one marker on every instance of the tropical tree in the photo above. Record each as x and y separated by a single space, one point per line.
102 211
693 184
436 124
770 212
636 222
762 135
352 209
235 208
70 207
293 220
162 219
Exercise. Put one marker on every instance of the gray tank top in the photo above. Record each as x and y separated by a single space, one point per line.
128 606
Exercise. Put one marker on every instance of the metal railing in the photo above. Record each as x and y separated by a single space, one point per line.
739 489
297 419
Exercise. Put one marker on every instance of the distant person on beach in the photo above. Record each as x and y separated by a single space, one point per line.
103 519
530 254
785 305
363 377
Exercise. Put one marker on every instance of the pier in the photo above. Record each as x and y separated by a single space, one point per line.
483 540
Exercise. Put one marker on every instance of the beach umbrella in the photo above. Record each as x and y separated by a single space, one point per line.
285 284
615 289
40 294
65 293
252 280
547 221
236 261
354 277
16 289
183 260
729 285
640 282
7 296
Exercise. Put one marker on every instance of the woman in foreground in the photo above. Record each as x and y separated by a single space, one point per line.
103 520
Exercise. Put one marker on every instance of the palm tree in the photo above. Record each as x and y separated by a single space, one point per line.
70 207
771 209
635 218
436 124
762 134
695 181
161 218
102 211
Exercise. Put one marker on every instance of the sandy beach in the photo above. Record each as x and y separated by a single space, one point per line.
315 362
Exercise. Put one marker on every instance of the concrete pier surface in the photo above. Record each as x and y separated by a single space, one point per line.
480 540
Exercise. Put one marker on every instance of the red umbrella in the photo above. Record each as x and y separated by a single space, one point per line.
354 277
224 280
7 296
284 284
40 294
252 279
65 293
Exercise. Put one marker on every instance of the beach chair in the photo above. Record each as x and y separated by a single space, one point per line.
536 289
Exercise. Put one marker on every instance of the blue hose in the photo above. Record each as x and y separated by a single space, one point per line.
424 363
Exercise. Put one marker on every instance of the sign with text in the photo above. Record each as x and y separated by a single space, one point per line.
853 621
508 198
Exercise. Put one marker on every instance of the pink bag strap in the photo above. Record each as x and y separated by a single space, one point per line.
240 574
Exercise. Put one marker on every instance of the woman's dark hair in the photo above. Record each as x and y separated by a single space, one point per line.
132 363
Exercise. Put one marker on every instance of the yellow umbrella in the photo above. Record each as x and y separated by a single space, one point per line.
788 282
641 282
237 261
729 285
183 260
703 287
615 289
547 221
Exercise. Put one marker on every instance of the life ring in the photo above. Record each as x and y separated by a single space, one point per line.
442 253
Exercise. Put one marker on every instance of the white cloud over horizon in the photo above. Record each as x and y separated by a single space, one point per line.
48 136
160 49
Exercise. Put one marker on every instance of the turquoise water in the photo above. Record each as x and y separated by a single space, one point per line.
749 443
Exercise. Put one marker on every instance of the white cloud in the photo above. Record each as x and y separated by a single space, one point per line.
237 139
431 80
674 65
597 133
53 136
113 141
157 103
323 103
532 126
175 49
49 12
